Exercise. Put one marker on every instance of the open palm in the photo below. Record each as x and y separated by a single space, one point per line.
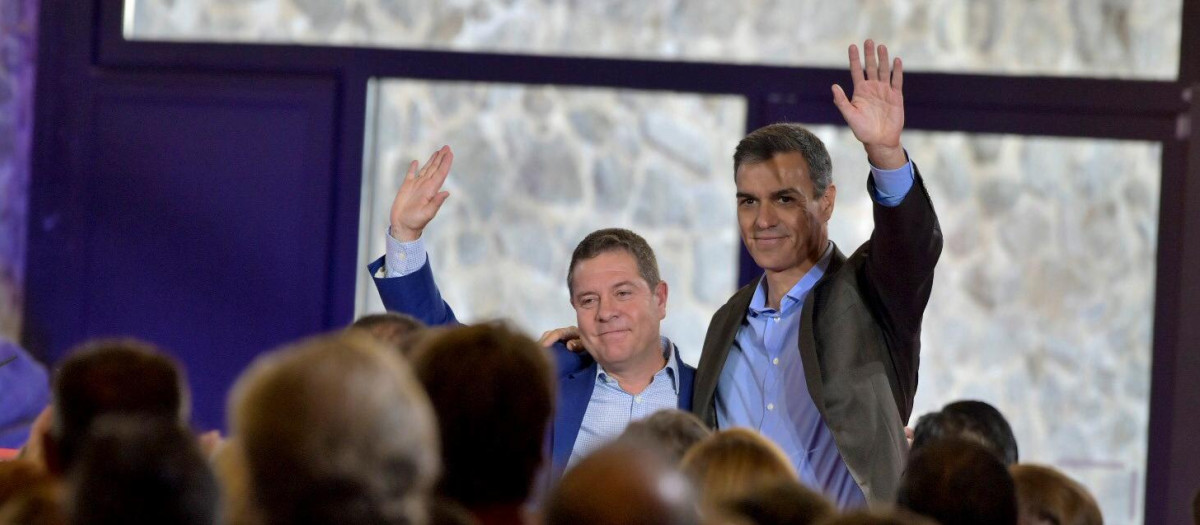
420 196
876 113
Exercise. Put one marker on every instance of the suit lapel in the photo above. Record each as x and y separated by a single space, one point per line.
808 341
716 350
574 393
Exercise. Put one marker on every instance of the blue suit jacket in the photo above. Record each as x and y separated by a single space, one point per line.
417 295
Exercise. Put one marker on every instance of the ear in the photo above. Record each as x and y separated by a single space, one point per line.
660 299
826 202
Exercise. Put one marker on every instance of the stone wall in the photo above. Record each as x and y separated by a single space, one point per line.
18 45
1109 38
538 168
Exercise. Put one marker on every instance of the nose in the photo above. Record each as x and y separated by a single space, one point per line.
605 311
766 216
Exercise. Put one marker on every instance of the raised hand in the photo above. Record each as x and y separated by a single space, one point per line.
876 113
420 196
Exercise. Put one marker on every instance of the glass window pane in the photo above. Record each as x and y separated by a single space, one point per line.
538 168
1127 39
1044 297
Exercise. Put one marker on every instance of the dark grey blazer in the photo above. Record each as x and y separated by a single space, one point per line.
859 340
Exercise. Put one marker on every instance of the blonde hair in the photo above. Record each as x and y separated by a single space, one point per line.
733 463
1046 495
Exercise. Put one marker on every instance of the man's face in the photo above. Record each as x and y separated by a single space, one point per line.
782 223
617 311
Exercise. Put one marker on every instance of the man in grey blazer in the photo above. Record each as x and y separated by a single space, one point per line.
820 354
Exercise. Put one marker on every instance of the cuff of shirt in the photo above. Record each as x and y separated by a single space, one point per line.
403 258
891 186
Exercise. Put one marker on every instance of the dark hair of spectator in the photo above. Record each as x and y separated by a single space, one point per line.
971 420
671 432
396 329
112 376
493 391
615 239
956 481
781 503
139 469
1045 495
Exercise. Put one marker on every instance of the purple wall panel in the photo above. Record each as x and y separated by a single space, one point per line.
18 58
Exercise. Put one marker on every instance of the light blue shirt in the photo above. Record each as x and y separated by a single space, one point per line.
611 408
762 384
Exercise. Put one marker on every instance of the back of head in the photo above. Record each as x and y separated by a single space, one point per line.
780 503
987 421
970 420
671 432
335 430
493 390
107 377
621 484
956 481
880 517
135 469
396 329
1047 496
731 462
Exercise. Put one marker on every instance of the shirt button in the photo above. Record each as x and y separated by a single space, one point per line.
637 399
770 406
775 361
776 319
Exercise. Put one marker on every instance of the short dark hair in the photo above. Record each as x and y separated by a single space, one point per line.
781 503
956 481
613 239
973 420
488 382
113 376
396 329
150 466
764 143
671 432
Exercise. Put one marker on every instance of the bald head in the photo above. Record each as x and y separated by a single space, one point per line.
622 484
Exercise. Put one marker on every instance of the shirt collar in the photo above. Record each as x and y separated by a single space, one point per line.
672 367
795 296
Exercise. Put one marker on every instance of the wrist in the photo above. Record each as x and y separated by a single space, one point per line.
886 157
403 234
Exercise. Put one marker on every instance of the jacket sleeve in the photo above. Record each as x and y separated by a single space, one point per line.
415 294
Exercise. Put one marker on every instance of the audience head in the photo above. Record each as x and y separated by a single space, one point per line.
619 300
493 391
783 502
396 329
671 432
880 517
335 430
119 376
731 462
621 484
136 469
956 481
1046 496
971 420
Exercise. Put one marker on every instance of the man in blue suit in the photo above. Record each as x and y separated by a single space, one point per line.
629 371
